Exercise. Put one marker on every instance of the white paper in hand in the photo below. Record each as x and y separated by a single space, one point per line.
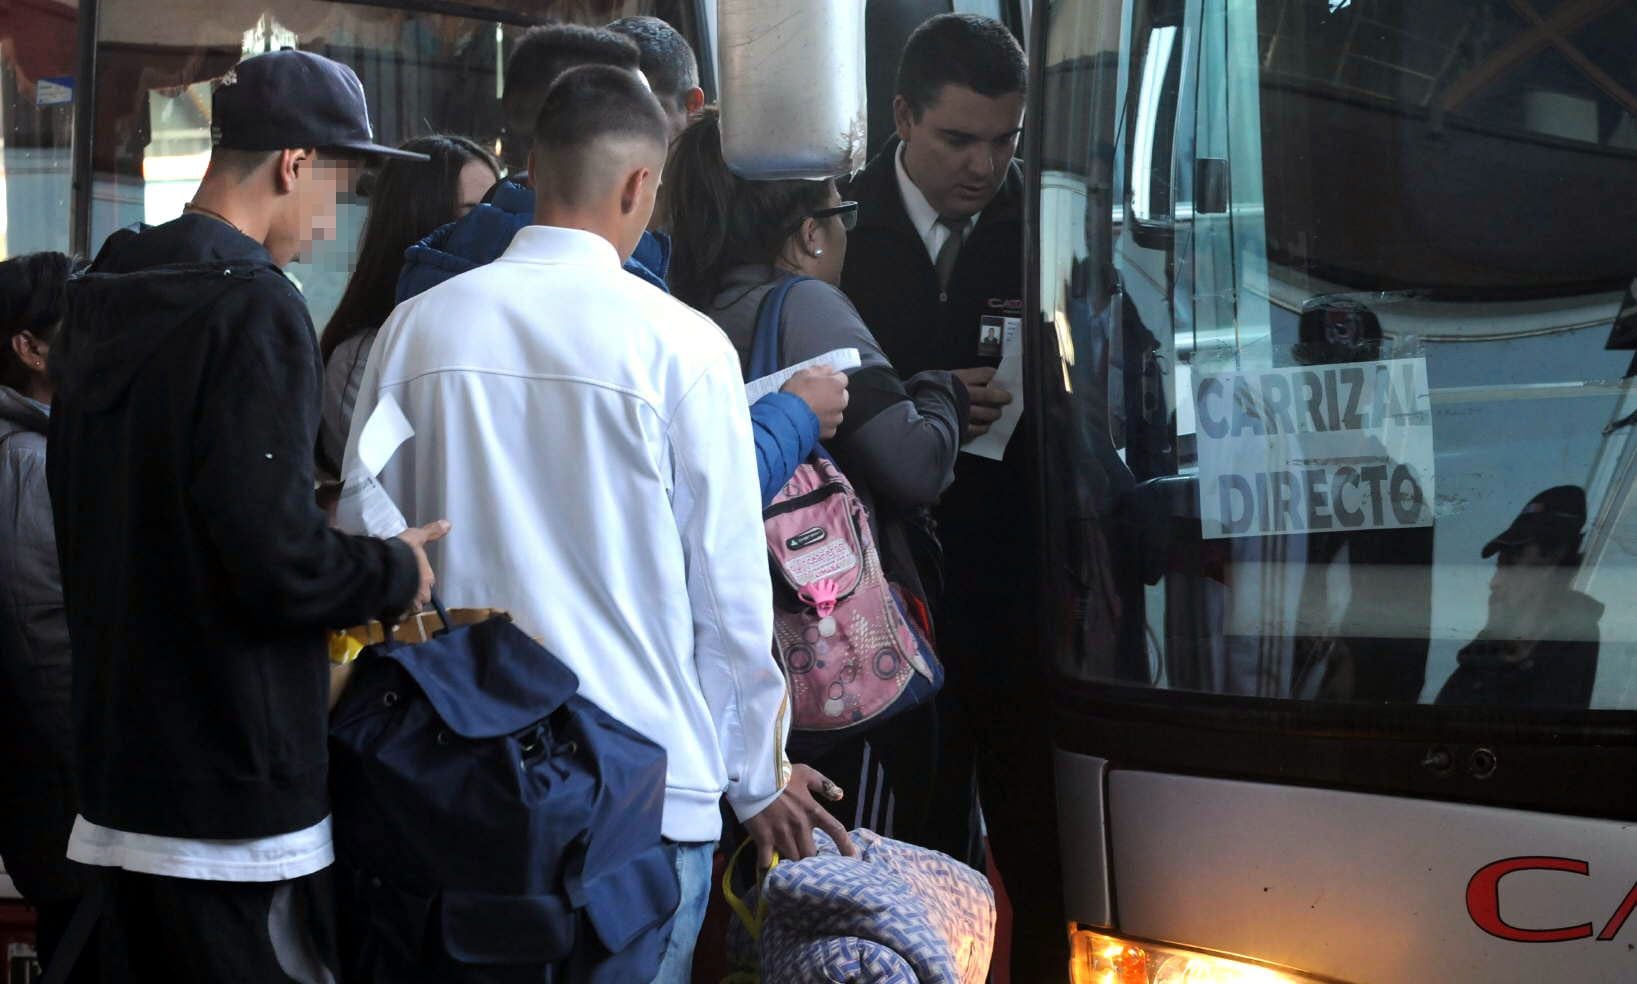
384 433
840 360
364 504
1008 377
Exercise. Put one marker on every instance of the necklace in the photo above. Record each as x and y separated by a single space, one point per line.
219 217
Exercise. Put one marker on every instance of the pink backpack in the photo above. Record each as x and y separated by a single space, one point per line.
849 650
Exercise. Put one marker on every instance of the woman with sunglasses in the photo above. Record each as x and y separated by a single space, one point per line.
733 241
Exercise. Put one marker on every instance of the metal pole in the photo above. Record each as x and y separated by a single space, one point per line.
85 123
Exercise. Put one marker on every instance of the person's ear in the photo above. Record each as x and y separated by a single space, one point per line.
810 239
289 167
20 348
693 100
631 190
903 117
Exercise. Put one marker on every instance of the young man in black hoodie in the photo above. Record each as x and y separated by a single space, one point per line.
198 572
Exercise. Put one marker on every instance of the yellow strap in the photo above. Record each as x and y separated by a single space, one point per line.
753 922
344 648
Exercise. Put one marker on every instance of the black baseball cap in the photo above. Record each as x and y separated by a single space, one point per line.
1554 516
289 98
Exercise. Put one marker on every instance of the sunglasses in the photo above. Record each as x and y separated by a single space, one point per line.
848 211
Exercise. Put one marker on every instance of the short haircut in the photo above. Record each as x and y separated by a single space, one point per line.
240 164
589 108
960 49
667 58
540 57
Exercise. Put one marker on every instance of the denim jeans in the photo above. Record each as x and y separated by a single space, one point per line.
693 873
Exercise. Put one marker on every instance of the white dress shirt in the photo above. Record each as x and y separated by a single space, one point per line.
921 213
588 437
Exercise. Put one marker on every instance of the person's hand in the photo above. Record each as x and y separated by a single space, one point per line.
787 825
418 537
824 390
986 399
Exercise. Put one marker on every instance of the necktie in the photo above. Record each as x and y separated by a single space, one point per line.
949 251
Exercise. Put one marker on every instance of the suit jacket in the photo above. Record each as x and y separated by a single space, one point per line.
986 520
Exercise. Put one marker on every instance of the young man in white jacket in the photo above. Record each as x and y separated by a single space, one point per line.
590 437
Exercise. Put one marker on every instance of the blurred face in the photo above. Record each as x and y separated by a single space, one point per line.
957 153
308 213
474 182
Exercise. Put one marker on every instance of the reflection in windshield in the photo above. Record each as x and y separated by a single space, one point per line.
1363 574
1539 645
1244 207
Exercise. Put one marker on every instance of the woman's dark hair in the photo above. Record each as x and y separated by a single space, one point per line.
408 200
33 292
718 220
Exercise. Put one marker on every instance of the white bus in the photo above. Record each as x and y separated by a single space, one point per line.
1333 365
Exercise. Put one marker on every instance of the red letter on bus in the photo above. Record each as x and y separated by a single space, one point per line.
1483 900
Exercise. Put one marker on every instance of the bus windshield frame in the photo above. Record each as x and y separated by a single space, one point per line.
1202 223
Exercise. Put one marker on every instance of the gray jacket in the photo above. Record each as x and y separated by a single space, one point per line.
343 375
899 438
36 722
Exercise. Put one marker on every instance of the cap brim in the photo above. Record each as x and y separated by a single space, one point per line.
363 148
1512 536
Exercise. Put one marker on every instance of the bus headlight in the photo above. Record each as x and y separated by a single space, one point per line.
1096 958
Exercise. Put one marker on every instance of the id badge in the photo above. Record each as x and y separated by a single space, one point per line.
991 332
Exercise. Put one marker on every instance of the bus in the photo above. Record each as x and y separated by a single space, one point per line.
1330 351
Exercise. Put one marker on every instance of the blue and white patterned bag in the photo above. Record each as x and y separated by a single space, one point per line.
895 914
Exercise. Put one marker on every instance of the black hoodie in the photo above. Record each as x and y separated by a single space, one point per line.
199 573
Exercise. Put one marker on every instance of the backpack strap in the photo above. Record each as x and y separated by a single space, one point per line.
765 345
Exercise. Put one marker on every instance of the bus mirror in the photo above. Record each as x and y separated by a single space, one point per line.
793 95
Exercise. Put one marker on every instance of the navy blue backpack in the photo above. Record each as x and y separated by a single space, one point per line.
491 825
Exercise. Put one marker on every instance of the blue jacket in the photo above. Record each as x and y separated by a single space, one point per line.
786 430
484 233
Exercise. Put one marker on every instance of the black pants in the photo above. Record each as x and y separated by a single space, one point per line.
51 921
887 774
180 930
995 729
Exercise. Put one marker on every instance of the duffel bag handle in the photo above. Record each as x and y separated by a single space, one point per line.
443 617
752 920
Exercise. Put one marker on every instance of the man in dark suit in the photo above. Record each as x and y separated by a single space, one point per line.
935 267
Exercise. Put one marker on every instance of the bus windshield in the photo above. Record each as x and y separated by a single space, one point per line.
1336 382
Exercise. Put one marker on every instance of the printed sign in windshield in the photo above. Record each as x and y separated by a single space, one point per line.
1315 448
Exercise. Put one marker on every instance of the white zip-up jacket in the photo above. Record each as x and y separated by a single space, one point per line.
588 437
